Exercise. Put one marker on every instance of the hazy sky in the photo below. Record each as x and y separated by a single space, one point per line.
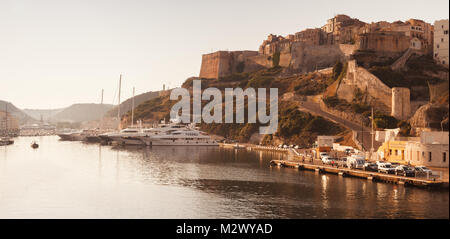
54 53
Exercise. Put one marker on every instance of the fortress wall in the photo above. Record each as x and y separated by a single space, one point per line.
384 42
210 65
358 77
223 63
306 58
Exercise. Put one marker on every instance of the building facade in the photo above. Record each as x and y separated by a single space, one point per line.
440 50
430 149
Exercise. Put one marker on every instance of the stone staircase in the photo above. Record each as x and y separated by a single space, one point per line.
400 62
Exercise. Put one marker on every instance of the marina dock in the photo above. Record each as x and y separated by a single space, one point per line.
373 176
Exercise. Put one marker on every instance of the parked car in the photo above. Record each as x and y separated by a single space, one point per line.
372 167
285 146
422 170
386 168
356 161
404 170
325 159
342 162
296 147
323 154
333 161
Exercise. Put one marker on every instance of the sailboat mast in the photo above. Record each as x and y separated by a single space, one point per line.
118 107
132 110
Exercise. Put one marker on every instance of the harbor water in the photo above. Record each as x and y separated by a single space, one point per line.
64 179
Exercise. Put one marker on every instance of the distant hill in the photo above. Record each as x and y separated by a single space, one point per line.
81 112
22 117
127 104
46 114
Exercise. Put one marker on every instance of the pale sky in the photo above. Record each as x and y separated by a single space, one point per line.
54 53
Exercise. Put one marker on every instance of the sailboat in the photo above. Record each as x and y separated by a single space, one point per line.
6 140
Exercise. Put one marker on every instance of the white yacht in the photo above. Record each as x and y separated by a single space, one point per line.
128 136
176 135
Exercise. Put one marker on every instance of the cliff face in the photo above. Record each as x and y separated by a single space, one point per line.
431 116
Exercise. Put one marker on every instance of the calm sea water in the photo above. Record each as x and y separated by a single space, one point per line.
78 180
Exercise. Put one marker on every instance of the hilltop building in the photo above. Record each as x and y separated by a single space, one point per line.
318 48
440 50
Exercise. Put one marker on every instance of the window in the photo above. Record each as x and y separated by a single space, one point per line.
437 46
444 157
446 32
390 151
429 156
442 39
396 152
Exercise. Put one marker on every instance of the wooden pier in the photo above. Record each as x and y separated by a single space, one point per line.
373 176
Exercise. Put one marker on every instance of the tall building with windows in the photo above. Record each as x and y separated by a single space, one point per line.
440 50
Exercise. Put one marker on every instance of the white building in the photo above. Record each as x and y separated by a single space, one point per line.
431 150
440 49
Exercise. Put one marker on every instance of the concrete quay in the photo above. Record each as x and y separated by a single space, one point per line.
373 176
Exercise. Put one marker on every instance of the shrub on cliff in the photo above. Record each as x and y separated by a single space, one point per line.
276 59
337 69
382 121
260 82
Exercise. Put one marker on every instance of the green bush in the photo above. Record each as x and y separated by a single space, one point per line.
384 121
260 82
276 59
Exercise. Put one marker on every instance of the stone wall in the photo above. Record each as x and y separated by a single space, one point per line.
384 42
378 94
306 58
223 63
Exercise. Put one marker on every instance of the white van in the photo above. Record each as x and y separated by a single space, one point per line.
356 161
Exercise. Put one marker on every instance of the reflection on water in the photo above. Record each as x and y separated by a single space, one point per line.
78 180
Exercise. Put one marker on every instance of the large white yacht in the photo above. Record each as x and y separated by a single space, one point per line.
176 135
128 136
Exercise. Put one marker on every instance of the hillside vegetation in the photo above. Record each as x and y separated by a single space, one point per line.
294 126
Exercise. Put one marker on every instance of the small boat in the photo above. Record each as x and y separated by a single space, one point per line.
34 145
6 141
